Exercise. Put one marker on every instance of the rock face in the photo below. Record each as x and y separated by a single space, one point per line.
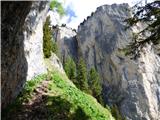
66 41
33 39
22 55
54 64
133 85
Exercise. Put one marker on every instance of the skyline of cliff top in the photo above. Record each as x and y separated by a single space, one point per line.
77 11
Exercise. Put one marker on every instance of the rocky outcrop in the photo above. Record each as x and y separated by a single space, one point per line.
54 64
66 41
133 85
22 55
33 39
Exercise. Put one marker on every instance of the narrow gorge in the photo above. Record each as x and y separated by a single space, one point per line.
133 85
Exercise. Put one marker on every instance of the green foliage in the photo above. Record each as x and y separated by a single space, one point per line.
63 101
70 68
61 108
77 104
82 81
49 45
25 94
47 38
80 114
94 84
116 114
54 47
149 14
55 5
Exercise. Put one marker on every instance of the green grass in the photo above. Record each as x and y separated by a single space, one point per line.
64 101
77 100
24 95
27 91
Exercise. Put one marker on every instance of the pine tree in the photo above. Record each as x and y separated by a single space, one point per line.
49 45
47 38
70 68
95 85
81 81
54 47
149 14
116 113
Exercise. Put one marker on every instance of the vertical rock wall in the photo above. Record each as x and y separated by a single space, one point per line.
33 39
66 41
22 56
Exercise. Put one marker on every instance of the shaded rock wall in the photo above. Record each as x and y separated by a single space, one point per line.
22 56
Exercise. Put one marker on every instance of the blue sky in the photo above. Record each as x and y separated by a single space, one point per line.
78 10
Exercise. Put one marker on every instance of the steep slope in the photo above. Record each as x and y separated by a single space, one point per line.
54 96
132 85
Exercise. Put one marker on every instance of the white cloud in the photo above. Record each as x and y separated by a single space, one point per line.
84 8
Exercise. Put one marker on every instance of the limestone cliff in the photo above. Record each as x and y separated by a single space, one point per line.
66 41
22 55
133 85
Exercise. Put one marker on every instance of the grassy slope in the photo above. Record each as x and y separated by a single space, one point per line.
61 86
63 101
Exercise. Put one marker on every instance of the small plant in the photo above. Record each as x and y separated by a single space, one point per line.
24 96
80 104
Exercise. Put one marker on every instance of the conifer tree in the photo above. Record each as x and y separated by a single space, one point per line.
49 45
70 68
116 113
47 38
82 82
95 85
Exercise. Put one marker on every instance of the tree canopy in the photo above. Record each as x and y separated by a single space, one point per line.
149 15
56 5
82 81
94 82
47 38
70 68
